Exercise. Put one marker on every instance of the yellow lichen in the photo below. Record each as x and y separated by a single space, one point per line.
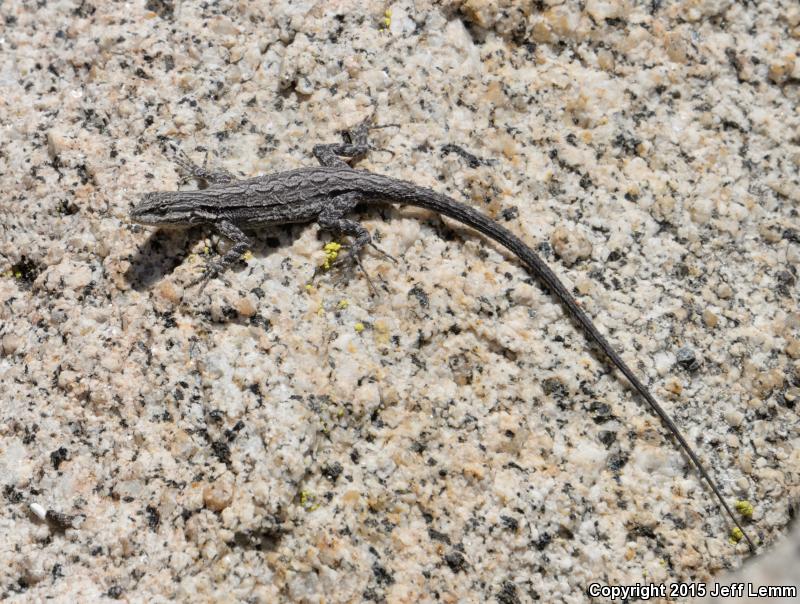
331 250
387 19
343 304
745 508
308 501
736 535
359 327
248 255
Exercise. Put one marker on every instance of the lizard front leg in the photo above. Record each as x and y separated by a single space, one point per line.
240 245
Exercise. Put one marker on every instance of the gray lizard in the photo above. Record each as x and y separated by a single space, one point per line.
325 195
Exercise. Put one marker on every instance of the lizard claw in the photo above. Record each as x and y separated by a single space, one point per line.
382 252
379 126
355 259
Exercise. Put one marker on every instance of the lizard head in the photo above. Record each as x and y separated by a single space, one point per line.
165 208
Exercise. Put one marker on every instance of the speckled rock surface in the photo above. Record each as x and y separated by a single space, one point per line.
454 439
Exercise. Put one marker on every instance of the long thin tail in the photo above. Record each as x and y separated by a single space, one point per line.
442 204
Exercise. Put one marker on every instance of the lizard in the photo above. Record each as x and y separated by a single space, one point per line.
326 195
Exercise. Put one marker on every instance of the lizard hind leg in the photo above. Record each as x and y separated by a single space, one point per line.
332 218
355 145
192 170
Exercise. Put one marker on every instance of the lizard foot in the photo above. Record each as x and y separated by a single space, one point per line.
212 269
346 266
358 137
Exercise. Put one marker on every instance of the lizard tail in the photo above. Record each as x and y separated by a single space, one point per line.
426 198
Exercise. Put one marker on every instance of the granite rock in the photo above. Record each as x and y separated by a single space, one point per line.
288 437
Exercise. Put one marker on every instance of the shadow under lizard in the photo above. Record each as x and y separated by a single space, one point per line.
325 195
